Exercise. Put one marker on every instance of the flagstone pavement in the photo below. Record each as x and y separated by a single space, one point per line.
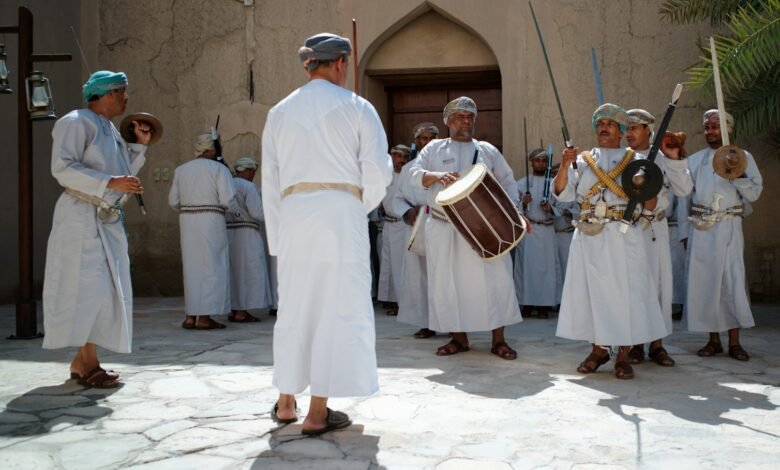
201 400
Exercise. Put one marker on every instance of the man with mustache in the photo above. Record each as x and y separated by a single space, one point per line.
466 293
717 294
609 297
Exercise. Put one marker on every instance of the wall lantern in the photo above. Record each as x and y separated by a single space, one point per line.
4 87
40 102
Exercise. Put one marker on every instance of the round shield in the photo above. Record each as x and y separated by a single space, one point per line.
126 127
642 180
729 162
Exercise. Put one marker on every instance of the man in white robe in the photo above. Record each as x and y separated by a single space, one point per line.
87 293
325 166
536 262
249 286
202 191
465 292
677 180
609 296
408 199
395 233
717 289
563 214
678 247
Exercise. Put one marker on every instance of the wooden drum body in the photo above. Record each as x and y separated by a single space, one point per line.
481 211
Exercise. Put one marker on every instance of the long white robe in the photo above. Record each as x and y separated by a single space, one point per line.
324 333
395 233
249 284
677 180
87 293
717 288
203 235
465 292
609 296
413 301
536 263
564 232
677 217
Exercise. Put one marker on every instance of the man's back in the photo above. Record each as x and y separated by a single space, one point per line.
202 182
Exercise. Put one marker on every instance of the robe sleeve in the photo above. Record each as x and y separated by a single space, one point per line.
226 190
173 195
254 204
683 226
503 174
376 167
751 186
272 193
569 193
677 174
417 167
71 138
400 203
137 154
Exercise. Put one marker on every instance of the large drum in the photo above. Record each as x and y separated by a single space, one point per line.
482 213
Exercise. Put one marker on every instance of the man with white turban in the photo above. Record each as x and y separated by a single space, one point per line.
677 181
717 290
325 166
408 199
609 296
465 292
536 262
87 293
202 191
249 286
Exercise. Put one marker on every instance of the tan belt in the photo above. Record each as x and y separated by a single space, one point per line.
613 213
312 187
391 219
698 209
202 209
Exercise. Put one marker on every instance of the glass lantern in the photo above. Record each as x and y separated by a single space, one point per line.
40 102
4 87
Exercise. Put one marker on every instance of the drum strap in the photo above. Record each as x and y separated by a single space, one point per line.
476 154
607 179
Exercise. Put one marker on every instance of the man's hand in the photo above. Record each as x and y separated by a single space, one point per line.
410 216
568 157
445 179
650 205
528 228
546 207
685 243
670 152
126 184
143 132
527 199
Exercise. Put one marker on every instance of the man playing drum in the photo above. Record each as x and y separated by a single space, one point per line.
609 296
465 292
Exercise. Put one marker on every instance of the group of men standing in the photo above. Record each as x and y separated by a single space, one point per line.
325 166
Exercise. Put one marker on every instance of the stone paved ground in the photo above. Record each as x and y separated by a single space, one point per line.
201 399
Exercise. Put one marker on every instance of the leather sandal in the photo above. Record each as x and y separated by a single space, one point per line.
453 347
738 353
623 370
424 333
636 354
710 349
661 357
592 363
335 420
276 419
99 378
211 325
502 350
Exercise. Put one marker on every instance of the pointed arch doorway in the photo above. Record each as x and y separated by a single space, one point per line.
432 60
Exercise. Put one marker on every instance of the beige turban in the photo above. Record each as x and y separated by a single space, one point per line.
402 149
711 115
464 103
426 127
245 163
538 153
203 143
640 116
611 111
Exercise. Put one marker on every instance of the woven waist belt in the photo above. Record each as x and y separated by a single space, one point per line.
243 224
312 187
202 209
566 230
700 210
540 222
614 213
88 198
391 219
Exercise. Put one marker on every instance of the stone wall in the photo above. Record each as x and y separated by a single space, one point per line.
189 61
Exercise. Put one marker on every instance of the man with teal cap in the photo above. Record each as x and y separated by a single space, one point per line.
87 294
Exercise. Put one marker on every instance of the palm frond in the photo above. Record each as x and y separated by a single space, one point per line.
757 108
694 11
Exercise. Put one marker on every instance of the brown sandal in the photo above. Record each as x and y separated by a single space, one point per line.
424 333
99 378
738 353
661 357
211 325
636 355
453 347
710 349
502 350
592 363
623 370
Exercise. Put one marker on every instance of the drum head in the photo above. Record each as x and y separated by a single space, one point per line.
463 187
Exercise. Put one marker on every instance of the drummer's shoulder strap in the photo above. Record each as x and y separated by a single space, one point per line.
476 152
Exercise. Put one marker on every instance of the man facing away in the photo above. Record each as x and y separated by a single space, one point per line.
325 166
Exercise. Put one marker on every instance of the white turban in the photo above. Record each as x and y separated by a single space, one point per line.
711 115
425 127
203 143
464 103
245 163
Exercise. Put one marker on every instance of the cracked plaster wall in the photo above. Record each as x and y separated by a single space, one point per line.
188 61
